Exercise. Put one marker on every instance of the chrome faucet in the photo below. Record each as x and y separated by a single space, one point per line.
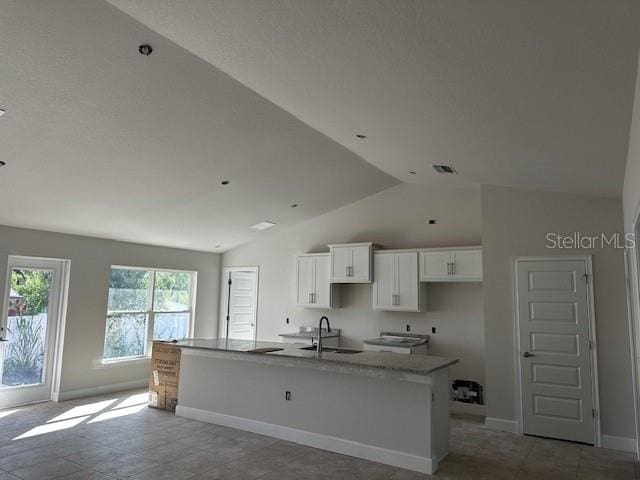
320 334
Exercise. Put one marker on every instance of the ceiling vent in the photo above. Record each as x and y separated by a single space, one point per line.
445 169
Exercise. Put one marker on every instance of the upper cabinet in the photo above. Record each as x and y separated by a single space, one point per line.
451 265
313 289
351 263
397 286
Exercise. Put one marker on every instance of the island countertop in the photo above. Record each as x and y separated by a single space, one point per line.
381 364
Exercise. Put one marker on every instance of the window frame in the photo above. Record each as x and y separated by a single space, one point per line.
150 312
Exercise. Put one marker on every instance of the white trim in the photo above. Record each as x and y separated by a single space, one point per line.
588 260
467 408
623 444
100 390
510 426
315 440
224 298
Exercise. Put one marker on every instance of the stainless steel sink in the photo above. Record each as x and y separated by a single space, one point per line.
332 349
266 350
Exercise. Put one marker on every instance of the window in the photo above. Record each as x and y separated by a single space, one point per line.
146 304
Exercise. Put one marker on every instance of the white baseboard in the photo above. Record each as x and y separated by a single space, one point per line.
100 390
316 440
467 408
624 444
502 425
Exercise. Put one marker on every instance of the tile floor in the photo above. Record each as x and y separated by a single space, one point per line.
117 436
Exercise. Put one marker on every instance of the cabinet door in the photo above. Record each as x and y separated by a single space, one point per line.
384 286
340 264
467 265
304 285
322 287
361 263
434 266
407 282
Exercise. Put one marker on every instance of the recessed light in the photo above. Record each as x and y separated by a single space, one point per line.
263 225
145 49
294 205
2 112
2 163
217 246
361 136
432 221
412 172
224 182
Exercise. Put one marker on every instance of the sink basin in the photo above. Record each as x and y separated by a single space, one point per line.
265 350
333 349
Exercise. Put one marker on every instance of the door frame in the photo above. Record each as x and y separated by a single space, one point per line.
61 313
595 389
224 298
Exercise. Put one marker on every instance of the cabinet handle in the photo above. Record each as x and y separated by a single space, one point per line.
448 268
346 270
311 298
350 271
453 268
313 295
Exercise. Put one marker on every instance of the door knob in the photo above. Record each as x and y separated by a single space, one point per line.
527 355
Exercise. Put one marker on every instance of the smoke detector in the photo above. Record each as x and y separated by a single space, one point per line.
445 169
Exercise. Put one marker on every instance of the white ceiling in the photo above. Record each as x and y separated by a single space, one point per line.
522 93
102 141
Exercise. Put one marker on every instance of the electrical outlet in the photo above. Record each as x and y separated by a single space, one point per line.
287 396
287 321
433 329
408 327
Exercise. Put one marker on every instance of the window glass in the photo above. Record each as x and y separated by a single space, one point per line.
172 291
129 290
168 326
126 335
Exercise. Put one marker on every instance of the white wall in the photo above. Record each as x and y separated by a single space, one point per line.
515 223
91 260
395 218
631 208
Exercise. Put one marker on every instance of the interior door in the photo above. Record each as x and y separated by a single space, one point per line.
29 328
555 358
242 304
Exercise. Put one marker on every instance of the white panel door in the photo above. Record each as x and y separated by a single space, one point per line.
305 281
384 288
408 284
242 298
322 287
434 266
555 358
466 265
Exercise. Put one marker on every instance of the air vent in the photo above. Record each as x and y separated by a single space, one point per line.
445 169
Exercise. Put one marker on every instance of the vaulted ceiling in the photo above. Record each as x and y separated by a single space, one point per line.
522 93
100 140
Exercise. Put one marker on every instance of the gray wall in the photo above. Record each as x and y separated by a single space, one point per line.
515 223
395 218
91 260
631 208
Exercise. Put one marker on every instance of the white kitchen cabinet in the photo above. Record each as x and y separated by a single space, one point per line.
451 265
351 263
397 286
313 289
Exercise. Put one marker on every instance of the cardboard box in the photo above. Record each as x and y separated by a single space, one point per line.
165 373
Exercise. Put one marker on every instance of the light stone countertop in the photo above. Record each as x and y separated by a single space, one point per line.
380 362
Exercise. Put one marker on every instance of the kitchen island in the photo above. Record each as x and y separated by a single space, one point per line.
380 406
